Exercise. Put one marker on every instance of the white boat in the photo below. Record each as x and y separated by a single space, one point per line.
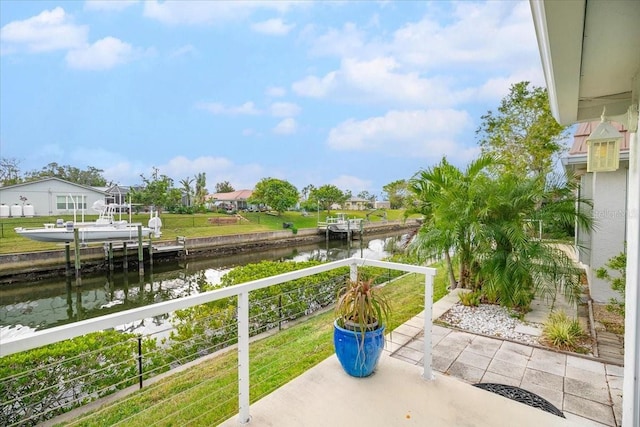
105 228
341 223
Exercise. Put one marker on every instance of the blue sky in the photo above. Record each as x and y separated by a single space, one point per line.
351 93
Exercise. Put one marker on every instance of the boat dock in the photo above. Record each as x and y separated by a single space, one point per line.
341 224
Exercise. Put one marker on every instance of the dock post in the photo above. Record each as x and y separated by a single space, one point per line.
140 252
110 256
125 262
76 243
150 251
67 255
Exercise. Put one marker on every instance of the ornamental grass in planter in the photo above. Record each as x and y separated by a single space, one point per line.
362 312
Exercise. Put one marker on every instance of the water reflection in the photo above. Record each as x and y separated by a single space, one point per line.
27 307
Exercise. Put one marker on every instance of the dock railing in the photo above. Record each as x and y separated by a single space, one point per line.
50 336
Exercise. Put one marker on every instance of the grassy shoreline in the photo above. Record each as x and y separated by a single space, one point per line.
196 225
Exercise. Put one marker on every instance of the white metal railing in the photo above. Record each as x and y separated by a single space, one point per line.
53 335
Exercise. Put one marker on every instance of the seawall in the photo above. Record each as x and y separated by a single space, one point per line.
29 266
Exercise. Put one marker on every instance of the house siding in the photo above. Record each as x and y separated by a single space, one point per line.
608 191
43 196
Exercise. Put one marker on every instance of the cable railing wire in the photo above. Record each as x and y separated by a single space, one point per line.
170 352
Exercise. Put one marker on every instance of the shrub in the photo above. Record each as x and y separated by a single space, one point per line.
470 299
618 265
562 331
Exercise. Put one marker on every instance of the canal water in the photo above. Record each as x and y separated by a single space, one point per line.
27 307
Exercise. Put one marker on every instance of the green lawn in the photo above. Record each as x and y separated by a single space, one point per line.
174 225
207 394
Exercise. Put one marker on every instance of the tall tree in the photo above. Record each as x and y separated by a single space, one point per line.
224 187
522 134
278 194
187 188
201 188
9 171
327 195
91 176
396 193
157 191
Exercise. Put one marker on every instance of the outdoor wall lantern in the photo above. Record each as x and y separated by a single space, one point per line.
603 147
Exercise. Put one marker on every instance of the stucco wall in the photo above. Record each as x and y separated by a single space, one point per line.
609 212
43 196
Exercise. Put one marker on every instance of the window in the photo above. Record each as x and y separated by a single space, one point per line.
66 203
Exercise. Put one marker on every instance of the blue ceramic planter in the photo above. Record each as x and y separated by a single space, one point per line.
356 359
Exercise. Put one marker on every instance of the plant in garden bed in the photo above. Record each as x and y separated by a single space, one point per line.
617 264
470 299
563 332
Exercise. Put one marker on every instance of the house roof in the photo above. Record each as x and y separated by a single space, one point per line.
232 196
84 187
579 146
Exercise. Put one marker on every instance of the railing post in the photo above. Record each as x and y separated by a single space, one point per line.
140 361
243 358
428 324
353 272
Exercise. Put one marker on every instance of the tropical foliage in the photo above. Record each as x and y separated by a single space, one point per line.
486 221
563 332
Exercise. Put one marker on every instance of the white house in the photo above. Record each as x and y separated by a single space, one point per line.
590 53
608 192
357 204
235 200
49 197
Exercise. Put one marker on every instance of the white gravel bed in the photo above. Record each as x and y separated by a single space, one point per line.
488 319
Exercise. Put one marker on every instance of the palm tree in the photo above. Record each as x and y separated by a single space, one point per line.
514 264
201 188
449 200
186 187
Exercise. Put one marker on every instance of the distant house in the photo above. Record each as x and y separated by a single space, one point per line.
118 194
235 200
357 204
608 191
382 204
50 197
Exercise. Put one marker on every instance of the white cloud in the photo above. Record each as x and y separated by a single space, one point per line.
209 12
104 54
379 80
352 183
186 50
346 42
274 27
48 31
419 133
449 56
276 91
284 109
287 126
109 5
489 34
248 108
